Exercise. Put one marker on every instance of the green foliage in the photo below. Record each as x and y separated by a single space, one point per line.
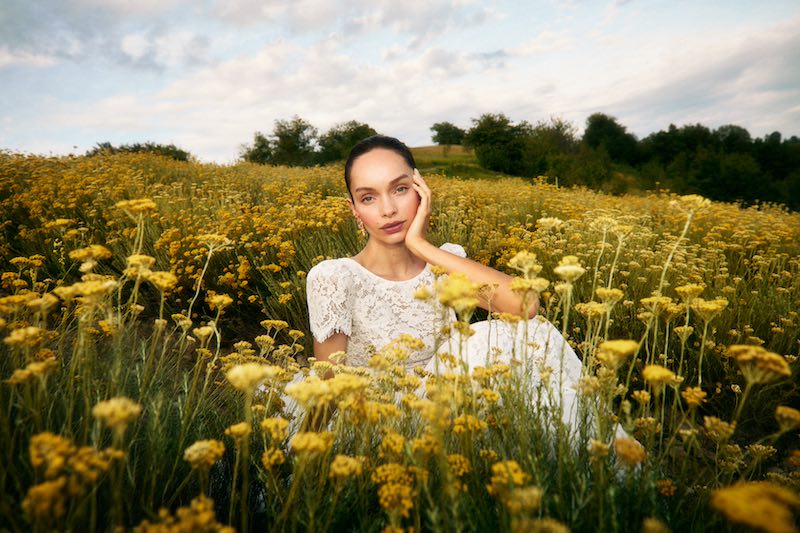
166 150
604 131
447 133
499 144
337 142
292 143
259 152
296 142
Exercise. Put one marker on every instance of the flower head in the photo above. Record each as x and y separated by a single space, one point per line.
204 453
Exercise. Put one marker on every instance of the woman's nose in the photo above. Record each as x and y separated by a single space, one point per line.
389 207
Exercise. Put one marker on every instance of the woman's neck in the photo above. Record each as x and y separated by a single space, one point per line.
394 262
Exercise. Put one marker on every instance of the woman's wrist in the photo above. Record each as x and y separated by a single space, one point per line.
419 247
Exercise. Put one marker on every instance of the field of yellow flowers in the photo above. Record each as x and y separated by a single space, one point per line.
153 313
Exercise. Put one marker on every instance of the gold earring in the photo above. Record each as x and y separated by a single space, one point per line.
361 229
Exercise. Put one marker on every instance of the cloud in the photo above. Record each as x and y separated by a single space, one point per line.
9 58
546 41
748 79
84 29
165 49
418 20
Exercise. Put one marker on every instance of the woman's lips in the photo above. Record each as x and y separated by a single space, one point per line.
393 228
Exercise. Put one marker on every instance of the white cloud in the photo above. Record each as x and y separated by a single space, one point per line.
135 45
8 58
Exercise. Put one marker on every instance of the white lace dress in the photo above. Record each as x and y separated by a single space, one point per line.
345 297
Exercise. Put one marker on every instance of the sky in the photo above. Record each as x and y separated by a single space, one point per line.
205 75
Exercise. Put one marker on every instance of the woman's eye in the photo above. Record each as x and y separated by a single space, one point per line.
366 199
402 188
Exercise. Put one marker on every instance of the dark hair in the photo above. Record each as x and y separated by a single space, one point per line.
371 143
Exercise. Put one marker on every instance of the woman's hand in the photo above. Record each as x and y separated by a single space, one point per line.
418 229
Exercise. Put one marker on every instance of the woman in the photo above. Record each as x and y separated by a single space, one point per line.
358 304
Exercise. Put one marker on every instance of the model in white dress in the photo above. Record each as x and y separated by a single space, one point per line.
344 297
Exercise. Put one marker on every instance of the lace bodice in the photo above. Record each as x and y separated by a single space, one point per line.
345 297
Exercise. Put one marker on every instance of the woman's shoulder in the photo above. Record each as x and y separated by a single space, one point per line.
328 268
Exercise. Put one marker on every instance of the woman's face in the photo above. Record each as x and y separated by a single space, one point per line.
383 199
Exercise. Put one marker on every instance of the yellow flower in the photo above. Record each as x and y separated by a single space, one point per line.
629 450
757 504
239 432
117 412
708 309
718 430
459 292
569 269
666 487
468 424
694 396
689 292
524 500
787 417
758 365
526 263
396 499
204 453
277 427
392 444
272 457
506 475
197 516
218 301
32 370
392 473
311 443
344 467
163 280
658 376
246 377
94 252
683 332
548 223
609 296
139 205
274 324
613 353
459 465
654 525
597 450
46 501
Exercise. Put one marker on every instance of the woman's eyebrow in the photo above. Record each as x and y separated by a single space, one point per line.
398 178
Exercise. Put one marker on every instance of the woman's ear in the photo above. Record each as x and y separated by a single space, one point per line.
352 207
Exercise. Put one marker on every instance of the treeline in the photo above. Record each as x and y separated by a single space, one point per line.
297 142
166 150
723 164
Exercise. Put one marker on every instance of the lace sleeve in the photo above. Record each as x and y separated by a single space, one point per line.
455 249
328 297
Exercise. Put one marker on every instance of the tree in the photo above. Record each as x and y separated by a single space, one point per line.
734 139
499 144
292 143
547 145
337 142
446 133
260 152
604 130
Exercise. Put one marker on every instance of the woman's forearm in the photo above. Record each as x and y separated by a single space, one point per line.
503 299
